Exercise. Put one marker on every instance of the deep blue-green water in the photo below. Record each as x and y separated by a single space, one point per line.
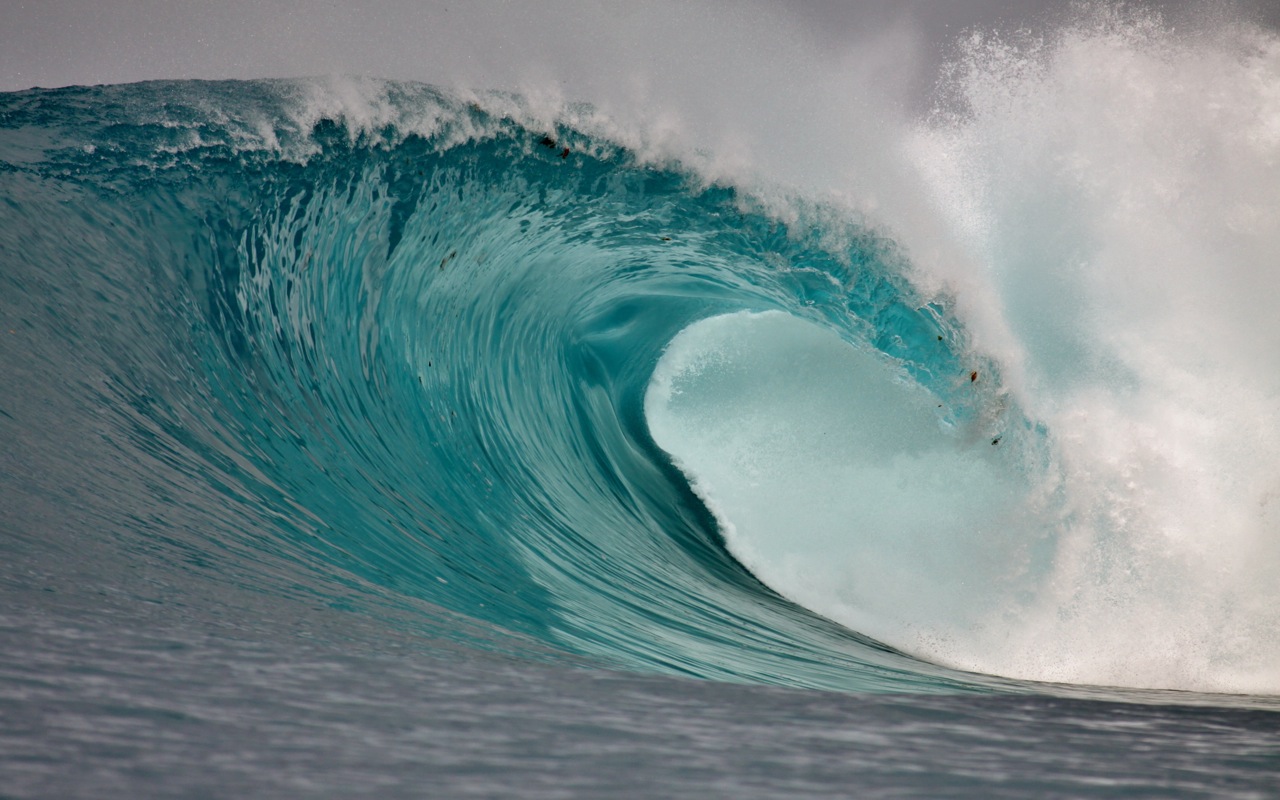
446 453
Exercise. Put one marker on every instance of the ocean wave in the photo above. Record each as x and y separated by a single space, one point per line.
390 346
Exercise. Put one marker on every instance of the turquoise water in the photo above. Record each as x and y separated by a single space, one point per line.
456 400
424 363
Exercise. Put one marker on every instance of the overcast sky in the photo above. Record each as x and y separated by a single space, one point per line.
478 42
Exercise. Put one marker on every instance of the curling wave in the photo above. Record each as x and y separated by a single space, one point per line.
449 352
415 363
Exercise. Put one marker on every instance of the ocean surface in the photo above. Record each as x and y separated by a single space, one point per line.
370 438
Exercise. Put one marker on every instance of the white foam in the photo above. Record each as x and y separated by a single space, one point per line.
1119 187
1106 211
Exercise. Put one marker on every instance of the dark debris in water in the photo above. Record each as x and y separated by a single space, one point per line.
552 144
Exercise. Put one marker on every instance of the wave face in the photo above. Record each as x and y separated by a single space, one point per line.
412 366
410 351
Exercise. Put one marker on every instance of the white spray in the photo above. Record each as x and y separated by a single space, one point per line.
1104 207
1119 187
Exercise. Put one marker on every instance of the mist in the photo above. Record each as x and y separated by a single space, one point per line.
578 46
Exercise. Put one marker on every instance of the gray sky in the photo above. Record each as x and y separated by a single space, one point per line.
480 42
797 93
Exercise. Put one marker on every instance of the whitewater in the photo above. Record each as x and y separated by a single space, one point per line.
371 436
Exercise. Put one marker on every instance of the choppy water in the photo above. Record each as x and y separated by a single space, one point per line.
422 445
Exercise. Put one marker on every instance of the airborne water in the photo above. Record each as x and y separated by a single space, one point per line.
371 438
